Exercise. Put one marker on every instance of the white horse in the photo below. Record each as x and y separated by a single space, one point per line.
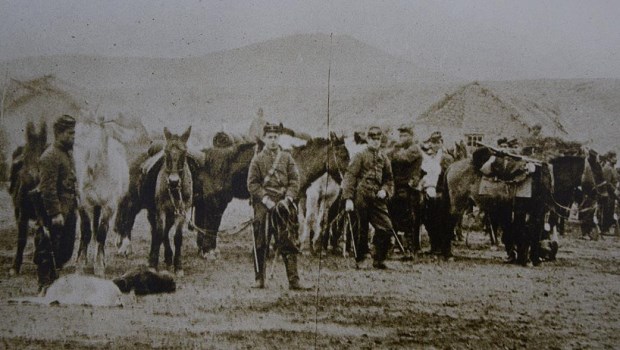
319 198
103 177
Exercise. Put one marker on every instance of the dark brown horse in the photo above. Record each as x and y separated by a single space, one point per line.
224 179
578 180
24 178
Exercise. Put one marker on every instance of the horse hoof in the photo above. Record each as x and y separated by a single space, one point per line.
125 248
180 273
210 255
100 272
13 272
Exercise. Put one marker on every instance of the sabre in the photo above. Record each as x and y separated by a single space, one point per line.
255 251
350 226
400 245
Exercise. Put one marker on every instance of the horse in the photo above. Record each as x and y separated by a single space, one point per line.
581 192
103 177
173 197
143 172
24 176
521 218
313 158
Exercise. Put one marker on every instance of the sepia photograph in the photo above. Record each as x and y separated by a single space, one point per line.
309 174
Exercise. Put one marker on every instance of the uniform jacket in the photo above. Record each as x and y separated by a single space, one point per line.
406 161
57 180
611 177
282 182
369 172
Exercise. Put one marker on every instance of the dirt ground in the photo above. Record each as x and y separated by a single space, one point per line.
474 302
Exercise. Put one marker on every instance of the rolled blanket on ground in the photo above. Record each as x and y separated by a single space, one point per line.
145 281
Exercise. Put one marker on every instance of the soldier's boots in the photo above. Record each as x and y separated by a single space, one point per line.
290 262
259 283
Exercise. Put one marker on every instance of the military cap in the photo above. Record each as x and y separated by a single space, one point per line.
610 154
513 142
502 142
374 132
63 123
269 127
435 137
406 129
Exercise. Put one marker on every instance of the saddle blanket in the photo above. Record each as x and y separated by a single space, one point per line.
505 190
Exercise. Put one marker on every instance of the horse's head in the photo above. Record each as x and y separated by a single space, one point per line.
431 170
320 155
339 156
175 154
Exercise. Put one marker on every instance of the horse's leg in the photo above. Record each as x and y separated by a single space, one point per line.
306 226
157 228
210 218
22 239
85 236
178 243
170 221
102 233
128 209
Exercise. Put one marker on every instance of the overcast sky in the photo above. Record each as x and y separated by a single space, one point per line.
473 39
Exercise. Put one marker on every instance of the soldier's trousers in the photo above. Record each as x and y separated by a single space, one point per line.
607 212
285 243
52 253
373 211
405 213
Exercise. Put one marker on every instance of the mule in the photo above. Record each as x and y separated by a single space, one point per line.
24 177
103 177
140 195
173 198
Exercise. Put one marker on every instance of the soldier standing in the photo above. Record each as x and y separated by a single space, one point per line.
367 185
406 160
610 175
433 222
532 144
273 179
55 240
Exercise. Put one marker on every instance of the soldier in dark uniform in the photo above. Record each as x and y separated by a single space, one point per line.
273 179
609 196
406 159
57 187
367 186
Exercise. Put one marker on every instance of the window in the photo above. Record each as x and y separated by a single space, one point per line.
473 139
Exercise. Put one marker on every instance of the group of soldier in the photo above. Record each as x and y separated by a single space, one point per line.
381 187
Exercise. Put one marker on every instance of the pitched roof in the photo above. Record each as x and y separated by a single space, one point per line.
474 105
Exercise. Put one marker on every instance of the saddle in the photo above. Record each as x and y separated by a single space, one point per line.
506 176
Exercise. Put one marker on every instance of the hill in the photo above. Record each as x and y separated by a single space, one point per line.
287 78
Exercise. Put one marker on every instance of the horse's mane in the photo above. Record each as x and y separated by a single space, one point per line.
221 159
480 156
